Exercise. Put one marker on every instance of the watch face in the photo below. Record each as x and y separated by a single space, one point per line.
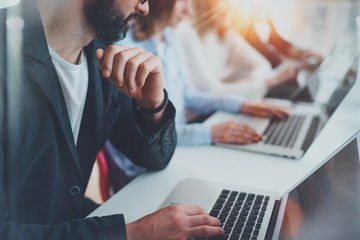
8 3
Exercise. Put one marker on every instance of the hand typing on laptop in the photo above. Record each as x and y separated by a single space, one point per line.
261 109
175 222
234 132
287 75
239 133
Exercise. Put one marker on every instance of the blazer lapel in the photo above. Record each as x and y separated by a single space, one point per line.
44 73
50 85
92 120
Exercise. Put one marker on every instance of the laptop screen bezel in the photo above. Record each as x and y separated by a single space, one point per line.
284 198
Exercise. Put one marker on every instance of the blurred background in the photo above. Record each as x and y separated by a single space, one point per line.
314 24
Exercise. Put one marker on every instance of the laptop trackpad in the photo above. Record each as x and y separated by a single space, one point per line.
190 192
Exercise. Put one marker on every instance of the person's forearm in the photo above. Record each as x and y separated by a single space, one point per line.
194 134
108 227
271 82
294 52
153 114
153 121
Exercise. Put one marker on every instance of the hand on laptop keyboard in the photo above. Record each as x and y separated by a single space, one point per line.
241 214
234 132
262 109
178 222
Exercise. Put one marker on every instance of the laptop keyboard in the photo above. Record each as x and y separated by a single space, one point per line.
240 214
283 132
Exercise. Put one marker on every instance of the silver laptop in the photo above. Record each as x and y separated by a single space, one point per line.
293 136
334 66
287 138
323 205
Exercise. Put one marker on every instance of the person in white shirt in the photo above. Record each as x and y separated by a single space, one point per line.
221 61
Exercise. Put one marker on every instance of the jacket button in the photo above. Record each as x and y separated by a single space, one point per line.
75 190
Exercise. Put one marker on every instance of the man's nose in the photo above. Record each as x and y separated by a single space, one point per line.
142 8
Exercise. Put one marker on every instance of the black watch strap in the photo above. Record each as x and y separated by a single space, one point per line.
154 110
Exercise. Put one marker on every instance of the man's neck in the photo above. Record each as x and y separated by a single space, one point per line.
65 28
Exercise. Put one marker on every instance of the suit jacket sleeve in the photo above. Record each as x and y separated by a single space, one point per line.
153 148
109 227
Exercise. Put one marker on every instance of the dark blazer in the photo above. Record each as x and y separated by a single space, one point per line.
43 174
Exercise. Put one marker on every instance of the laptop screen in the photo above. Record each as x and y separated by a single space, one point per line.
327 204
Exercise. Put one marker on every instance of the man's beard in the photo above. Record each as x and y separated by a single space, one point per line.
108 22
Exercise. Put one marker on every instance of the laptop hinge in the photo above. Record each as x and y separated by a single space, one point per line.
312 132
274 215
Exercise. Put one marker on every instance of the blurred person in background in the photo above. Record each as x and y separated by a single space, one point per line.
276 49
253 21
220 60
155 33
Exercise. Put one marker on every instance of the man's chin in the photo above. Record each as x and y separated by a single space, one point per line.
106 20
111 40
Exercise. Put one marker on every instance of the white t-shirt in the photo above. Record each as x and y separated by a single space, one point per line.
74 81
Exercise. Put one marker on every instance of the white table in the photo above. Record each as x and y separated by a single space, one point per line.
147 192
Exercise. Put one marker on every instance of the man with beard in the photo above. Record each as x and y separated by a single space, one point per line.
74 94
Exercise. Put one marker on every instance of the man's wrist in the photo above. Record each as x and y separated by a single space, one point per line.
154 110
